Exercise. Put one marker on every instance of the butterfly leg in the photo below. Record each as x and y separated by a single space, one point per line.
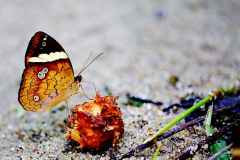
84 93
68 110
87 89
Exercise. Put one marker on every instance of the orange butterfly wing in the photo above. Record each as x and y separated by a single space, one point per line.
48 77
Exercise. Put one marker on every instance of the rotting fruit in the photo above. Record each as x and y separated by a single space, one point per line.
96 124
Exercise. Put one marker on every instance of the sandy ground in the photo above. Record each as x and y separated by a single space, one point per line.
144 43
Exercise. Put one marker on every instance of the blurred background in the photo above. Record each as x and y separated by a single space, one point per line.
145 43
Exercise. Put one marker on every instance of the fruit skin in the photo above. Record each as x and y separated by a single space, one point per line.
96 124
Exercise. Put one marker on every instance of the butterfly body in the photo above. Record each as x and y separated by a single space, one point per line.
48 77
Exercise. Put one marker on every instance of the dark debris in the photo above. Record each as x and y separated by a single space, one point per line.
138 101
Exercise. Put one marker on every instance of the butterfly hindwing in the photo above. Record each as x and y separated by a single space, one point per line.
48 77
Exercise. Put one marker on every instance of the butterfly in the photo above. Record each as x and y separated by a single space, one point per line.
48 77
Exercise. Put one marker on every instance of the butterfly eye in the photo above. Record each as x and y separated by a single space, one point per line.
36 98
41 75
45 70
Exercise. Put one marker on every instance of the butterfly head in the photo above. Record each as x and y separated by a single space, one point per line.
78 78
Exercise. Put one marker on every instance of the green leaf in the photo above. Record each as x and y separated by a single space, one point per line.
217 146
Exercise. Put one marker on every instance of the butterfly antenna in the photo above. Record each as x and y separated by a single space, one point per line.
89 63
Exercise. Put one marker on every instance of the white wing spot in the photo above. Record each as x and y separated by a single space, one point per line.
44 70
53 56
36 98
41 75
44 44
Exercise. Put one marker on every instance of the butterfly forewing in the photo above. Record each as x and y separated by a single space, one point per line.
48 77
